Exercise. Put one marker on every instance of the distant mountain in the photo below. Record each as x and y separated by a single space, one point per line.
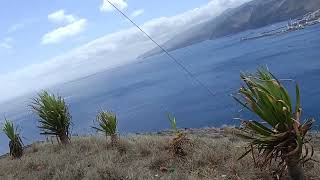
251 15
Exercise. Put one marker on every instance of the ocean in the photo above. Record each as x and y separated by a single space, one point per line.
144 92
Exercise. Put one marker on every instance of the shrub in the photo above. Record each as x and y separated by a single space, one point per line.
54 115
179 142
15 143
108 125
280 135
173 124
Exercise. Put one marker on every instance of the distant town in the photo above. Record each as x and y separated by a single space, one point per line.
308 19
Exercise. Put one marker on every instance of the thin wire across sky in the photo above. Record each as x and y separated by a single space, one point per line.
166 52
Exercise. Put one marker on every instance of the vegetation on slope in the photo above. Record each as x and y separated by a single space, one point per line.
54 115
213 155
108 125
15 142
280 135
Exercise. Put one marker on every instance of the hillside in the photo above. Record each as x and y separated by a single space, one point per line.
252 15
213 154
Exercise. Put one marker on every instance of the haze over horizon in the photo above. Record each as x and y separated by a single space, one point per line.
66 41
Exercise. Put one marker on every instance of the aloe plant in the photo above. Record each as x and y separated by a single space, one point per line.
279 135
54 115
108 125
15 143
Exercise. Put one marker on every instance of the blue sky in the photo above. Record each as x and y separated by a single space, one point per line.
26 22
56 41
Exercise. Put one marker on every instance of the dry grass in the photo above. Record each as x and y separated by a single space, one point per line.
212 155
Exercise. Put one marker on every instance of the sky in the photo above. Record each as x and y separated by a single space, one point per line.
43 43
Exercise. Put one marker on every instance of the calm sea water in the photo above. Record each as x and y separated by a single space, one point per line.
142 93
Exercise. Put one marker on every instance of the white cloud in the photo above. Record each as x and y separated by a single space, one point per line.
137 13
16 27
112 50
106 7
60 17
61 33
22 24
6 43
73 27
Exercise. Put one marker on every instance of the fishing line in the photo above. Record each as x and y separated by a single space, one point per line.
166 52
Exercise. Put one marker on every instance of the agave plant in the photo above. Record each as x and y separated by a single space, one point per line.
280 135
108 125
15 144
54 115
